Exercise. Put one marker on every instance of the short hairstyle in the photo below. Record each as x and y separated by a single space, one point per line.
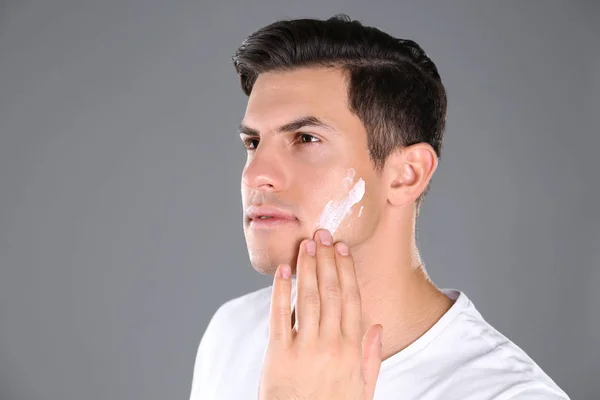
393 86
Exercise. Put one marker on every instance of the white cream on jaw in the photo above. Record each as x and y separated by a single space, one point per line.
336 210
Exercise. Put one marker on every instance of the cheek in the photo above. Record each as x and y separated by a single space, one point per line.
360 223
343 212
336 211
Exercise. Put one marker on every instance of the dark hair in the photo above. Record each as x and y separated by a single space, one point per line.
393 87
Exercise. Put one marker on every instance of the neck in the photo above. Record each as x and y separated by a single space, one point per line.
395 289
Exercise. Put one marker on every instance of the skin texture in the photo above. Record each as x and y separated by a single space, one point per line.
301 174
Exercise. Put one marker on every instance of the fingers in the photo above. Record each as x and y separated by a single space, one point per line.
372 358
308 301
329 286
351 300
281 313
328 297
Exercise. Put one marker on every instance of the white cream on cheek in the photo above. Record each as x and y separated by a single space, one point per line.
336 210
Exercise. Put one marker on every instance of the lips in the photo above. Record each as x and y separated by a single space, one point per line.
268 213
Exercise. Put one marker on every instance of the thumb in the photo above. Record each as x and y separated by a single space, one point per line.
372 357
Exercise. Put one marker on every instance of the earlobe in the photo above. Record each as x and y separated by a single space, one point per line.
408 172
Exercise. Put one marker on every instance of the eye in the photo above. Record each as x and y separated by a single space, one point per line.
248 143
305 138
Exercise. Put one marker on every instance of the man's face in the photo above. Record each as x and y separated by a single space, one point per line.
320 175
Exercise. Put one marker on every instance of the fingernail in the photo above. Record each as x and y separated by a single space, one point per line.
311 247
325 237
381 336
342 248
286 271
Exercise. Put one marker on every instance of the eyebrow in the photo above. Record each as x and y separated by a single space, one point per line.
295 125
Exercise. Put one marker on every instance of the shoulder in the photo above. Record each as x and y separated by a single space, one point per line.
228 329
488 359
248 307
243 311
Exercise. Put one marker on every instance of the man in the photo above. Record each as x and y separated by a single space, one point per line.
343 130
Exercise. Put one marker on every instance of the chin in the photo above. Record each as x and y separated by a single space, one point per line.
266 263
265 260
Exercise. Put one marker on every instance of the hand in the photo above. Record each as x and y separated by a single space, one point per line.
325 358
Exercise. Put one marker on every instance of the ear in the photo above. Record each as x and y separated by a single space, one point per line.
407 172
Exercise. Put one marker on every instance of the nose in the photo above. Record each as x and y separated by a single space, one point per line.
264 172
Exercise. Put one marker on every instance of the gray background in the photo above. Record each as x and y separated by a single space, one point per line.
120 207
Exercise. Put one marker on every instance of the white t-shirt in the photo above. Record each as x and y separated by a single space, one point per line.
461 357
